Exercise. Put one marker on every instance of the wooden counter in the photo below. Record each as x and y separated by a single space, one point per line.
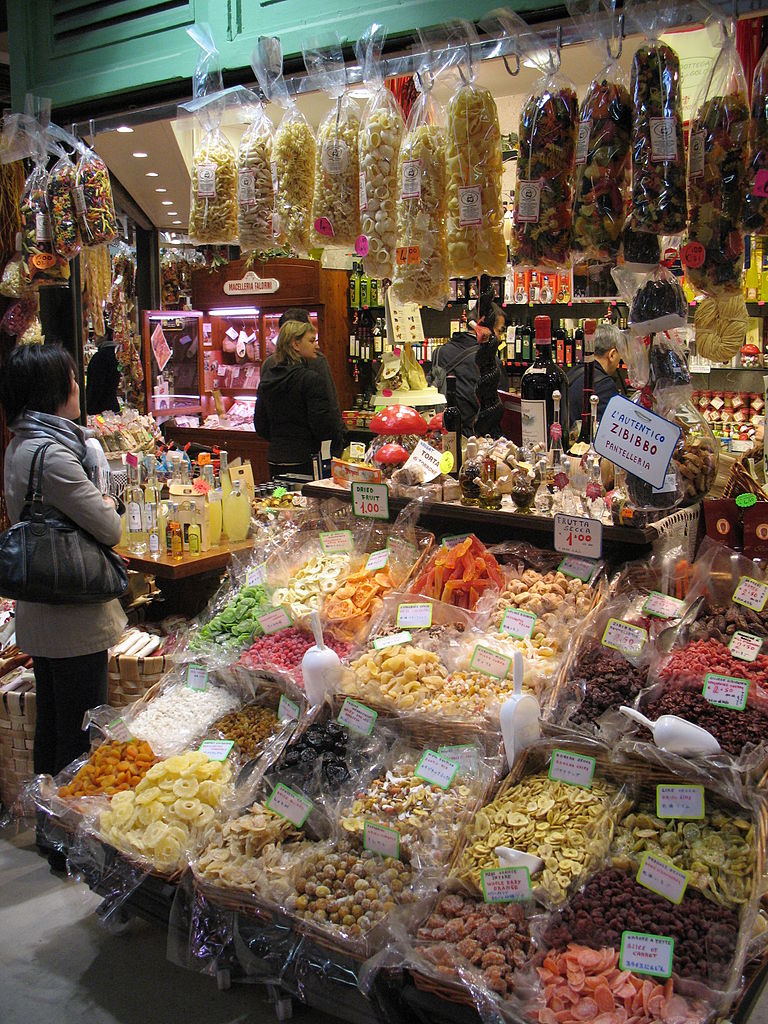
167 568
243 444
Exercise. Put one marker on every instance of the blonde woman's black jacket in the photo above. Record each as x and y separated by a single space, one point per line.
293 412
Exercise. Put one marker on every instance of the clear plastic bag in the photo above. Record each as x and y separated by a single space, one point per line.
544 189
658 149
421 270
475 212
65 231
659 304
258 224
43 266
717 170
756 199
336 202
213 206
93 199
381 135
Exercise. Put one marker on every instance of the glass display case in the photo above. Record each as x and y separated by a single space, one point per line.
173 361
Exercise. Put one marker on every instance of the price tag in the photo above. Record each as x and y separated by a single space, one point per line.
751 594
436 770
370 501
287 709
377 560
726 691
446 462
357 717
414 616
402 549
686 802
745 646
470 206
425 458
490 662
382 642
274 621
637 440
578 568
578 535
324 227
761 184
206 180
506 885
622 636
465 756
693 255
334 541
197 677
256 576
529 202
518 623
662 606
697 147
405 254
293 806
662 878
452 539
646 954
362 246
216 750
381 839
119 731
572 769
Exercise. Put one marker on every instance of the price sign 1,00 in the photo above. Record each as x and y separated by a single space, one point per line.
578 535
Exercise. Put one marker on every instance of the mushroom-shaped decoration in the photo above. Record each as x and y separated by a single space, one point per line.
390 456
396 420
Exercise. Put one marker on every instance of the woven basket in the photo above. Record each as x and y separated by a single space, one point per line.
741 482
17 734
683 527
130 677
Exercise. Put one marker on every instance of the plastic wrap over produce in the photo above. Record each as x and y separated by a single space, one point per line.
756 200
381 134
475 212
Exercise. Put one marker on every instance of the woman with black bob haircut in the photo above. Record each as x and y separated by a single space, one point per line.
68 642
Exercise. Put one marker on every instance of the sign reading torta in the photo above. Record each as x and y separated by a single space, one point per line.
251 284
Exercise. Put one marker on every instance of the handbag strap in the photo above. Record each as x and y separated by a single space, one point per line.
34 493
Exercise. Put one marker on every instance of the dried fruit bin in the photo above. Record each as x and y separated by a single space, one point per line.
17 733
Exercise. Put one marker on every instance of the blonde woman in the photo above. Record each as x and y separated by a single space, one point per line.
293 411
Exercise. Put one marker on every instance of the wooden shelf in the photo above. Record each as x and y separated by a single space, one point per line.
169 568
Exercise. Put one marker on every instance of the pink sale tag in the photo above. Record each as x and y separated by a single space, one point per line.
386 392
361 245
324 227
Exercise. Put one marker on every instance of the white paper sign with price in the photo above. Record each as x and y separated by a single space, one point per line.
370 500
578 535
637 440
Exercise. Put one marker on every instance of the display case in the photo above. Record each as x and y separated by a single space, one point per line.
173 361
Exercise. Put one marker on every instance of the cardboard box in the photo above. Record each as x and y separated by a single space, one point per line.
189 500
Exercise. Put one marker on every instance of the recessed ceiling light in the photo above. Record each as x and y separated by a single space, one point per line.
161 190
151 174
173 213
140 156
177 222
167 202
125 130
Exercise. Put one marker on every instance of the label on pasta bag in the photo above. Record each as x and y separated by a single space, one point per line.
206 180
470 206
363 193
582 143
411 183
696 153
335 156
42 228
646 954
78 197
530 202
663 139
246 188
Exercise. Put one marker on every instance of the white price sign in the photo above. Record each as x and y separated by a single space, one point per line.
751 594
518 623
197 677
293 806
334 541
274 621
436 770
287 709
490 662
506 885
745 646
216 750
623 636
647 954
465 755
572 769
357 717
425 458
662 878
662 606
579 568
578 535
370 501
394 640
637 440
381 839
686 802
256 575
377 560
414 616
726 691
118 730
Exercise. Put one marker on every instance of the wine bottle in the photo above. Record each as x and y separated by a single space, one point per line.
537 387
452 425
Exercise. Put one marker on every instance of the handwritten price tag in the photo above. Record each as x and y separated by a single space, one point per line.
578 535
572 769
490 662
436 770
118 730
357 717
324 227
256 576
686 802
578 568
751 594
216 750
414 616
334 541
452 539
395 640
293 806
381 839
506 885
362 245
274 621
407 254
647 954
377 560
518 623
745 646
662 878
197 677
465 756
726 691
371 501
623 636
287 708
662 606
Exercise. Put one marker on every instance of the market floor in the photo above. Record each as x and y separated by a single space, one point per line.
58 965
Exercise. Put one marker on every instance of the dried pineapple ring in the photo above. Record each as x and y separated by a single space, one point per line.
209 792
121 815
125 796
279 596
166 785
168 851
151 813
146 796
155 833
186 787
205 816
186 810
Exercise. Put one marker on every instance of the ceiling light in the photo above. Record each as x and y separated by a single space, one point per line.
140 156
125 130
161 190
234 311
167 202
151 174
177 222
172 213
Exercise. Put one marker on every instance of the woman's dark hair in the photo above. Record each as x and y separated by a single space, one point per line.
294 313
37 378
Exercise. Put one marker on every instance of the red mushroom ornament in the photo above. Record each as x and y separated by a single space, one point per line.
399 424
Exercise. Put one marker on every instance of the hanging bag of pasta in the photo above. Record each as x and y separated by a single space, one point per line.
93 199
257 224
658 148
475 212
545 166
602 146
381 135
756 203
421 259
62 182
213 202
717 171
42 264
336 203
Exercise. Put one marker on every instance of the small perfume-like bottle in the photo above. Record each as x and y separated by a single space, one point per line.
471 475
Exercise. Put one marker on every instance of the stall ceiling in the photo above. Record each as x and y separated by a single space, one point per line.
169 145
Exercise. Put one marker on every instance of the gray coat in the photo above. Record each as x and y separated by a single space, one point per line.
63 630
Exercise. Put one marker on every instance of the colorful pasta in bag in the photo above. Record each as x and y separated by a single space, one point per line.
756 202
93 199
381 134
65 233
475 212
336 203
717 172
42 265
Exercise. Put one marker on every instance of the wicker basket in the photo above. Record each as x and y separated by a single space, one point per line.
17 734
130 677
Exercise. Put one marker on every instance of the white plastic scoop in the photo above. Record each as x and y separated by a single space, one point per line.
519 715
320 667
675 734
509 857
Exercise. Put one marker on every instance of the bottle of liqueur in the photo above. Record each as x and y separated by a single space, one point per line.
538 386
452 425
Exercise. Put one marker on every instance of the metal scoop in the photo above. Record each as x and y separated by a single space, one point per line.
666 639
675 734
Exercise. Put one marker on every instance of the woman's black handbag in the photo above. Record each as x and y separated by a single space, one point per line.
47 559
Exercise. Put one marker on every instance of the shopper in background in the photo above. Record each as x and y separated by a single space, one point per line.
68 642
103 378
293 411
321 367
491 331
607 381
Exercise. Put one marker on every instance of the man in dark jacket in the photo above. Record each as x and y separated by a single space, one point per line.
457 357
321 367
607 381
102 379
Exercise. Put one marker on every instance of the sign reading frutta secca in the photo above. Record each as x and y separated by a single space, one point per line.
251 284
